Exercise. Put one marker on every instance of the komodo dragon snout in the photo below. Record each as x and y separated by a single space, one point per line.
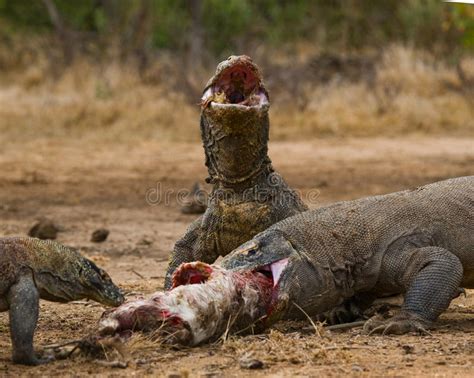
94 283
272 254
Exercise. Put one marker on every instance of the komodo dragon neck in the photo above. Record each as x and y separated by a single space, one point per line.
236 146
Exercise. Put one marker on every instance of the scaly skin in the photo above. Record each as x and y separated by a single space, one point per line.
419 243
248 195
32 269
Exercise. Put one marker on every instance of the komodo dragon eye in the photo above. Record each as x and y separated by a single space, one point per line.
251 252
104 275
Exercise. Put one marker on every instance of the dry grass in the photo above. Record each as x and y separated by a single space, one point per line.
412 93
109 102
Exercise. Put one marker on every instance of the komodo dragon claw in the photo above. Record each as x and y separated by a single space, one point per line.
399 324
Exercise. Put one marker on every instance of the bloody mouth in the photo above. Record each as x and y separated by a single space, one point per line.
266 277
238 84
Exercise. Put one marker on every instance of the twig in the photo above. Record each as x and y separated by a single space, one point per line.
341 326
86 303
359 323
251 325
315 327
138 274
60 345
226 333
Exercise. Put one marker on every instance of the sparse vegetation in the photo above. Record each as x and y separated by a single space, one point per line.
403 91
118 70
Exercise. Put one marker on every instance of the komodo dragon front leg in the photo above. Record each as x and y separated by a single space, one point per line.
23 301
430 276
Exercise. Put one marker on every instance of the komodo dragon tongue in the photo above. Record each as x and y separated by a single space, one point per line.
204 302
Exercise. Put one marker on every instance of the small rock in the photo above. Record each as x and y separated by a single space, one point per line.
145 242
408 349
250 363
100 235
294 360
44 229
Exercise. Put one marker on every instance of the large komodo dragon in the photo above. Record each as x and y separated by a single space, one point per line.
31 269
248 195
418 242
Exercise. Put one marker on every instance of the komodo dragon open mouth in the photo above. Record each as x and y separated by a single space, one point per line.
237 82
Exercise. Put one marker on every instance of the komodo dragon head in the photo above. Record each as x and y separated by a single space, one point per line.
237 84
62 274
234 121
299 285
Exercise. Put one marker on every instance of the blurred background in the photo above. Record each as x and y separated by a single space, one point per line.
121 69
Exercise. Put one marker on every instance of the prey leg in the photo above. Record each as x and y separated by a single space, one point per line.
23 300
430 276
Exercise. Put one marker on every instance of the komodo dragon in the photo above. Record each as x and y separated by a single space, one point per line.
417 242
248 195
31 269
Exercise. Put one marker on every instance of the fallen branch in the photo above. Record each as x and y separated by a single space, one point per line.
359 323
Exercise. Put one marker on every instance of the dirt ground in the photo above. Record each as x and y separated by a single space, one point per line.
84 185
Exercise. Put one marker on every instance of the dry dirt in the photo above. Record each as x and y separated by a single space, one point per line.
84 185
